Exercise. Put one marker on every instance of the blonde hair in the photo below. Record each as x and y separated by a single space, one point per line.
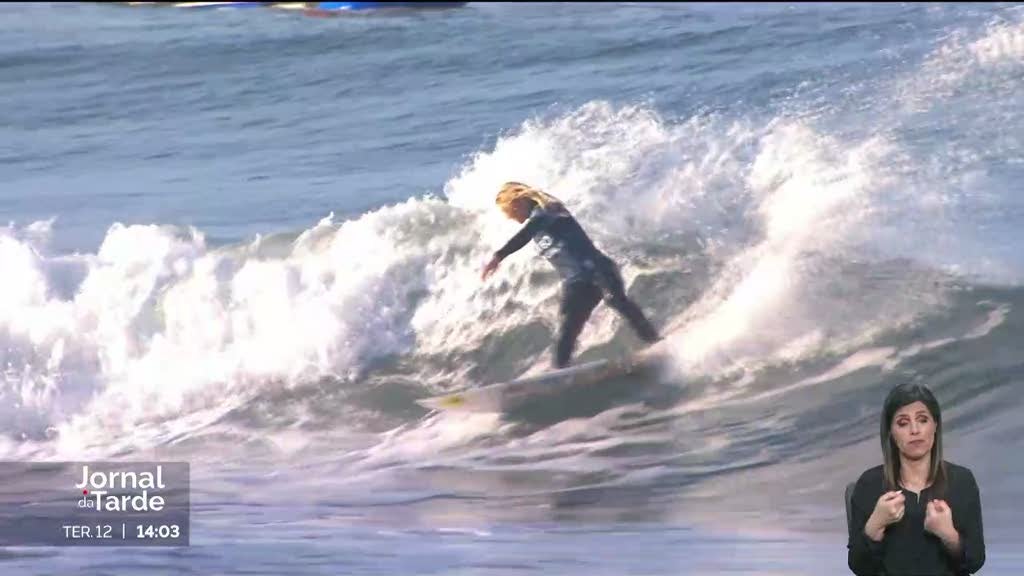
512 191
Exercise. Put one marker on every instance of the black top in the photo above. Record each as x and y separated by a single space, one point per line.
906 549
561 240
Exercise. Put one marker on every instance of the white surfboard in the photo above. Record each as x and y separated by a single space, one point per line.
507 396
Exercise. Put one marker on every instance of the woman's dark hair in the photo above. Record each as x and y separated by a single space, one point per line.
899 397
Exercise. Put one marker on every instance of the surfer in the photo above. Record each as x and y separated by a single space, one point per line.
588 275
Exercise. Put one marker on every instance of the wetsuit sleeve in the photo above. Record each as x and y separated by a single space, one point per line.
865 555
968 524
537 222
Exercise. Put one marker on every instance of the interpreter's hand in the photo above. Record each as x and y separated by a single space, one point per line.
938 519
888 510
890 507
490 267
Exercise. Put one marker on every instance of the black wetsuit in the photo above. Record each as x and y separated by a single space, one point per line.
587 275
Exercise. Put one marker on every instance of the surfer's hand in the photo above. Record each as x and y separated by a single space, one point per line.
490 268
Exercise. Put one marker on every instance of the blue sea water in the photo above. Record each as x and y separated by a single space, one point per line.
251 239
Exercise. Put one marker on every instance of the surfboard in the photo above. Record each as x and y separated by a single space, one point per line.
505 397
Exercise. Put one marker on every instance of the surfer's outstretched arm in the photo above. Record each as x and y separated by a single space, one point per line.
533 225
525 234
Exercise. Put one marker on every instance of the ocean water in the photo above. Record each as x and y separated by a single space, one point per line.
251 239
